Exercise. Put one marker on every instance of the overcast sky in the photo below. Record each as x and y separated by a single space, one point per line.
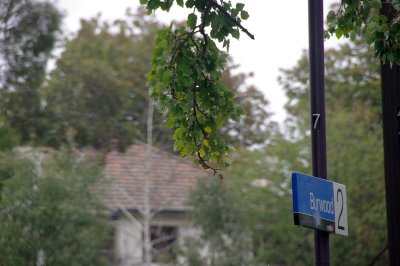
280 29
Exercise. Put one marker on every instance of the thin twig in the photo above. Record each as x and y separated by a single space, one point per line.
375 259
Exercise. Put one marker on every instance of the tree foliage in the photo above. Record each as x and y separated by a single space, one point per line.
222 226
27 34
260 180
255 127
48 210
362 17
97 95
185 77
354 143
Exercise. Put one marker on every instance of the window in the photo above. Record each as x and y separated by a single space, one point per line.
163 240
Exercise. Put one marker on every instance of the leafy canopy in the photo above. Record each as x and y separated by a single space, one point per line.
96 96
185 77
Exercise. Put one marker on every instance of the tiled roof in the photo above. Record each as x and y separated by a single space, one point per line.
170 180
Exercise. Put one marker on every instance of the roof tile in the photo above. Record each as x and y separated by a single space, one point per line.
170 181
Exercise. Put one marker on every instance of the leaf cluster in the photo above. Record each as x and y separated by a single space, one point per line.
185 78
362 17
223 17
188 92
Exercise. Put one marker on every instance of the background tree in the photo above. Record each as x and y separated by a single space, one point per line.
97 93
96 109
255 127
261 179
49 213
354 141
379 22
28 31
222 225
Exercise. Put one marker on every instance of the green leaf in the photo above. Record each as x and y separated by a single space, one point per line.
234 12
170 122
338 33
179 2
239 6
370 38
226 159
178 134
376 4
331 16
143 2
190 3
192 21
166 77
235 34
244 15
186 150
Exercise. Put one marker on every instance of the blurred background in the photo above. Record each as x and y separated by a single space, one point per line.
80 184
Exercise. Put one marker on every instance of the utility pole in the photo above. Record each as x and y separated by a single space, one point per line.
318 135
147 214
390 84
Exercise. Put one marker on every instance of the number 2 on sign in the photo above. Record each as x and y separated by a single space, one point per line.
341 227
316 120
340 203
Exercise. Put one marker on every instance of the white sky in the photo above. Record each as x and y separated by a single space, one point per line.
280 29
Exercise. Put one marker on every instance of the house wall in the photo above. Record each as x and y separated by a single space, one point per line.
128 237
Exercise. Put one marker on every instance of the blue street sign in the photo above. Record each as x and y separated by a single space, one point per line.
319 204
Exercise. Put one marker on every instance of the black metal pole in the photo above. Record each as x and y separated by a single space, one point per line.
391 143
390 85
318 136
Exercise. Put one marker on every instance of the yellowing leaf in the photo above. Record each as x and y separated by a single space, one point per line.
208 130
202 153
226 159
205 143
